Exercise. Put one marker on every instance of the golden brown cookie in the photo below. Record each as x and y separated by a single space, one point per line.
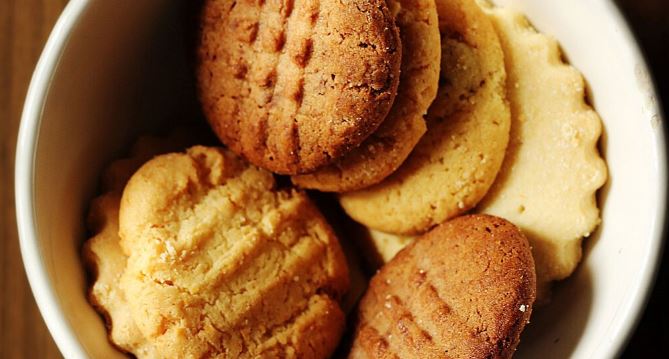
220 263
456 161
383 152
102 253
463 290
292 86
552 170
106 261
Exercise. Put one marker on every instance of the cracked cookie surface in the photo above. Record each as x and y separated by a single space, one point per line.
292 85
220 263
463 290
456 161
385 150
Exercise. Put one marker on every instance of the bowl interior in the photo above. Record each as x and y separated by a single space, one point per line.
124 70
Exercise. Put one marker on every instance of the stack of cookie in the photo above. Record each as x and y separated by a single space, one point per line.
509 134
320 90
415 112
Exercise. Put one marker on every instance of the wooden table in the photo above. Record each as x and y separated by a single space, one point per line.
24 27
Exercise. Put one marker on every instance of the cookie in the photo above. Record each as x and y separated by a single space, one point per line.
380 247
102 253
548 182
463 290
385 150
456 161
293 86
221 263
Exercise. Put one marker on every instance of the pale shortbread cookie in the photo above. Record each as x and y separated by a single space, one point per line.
385 150
456 161
552 169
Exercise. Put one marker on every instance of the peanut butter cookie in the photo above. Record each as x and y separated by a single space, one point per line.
385 150
220 263
294 85
463 290
102 253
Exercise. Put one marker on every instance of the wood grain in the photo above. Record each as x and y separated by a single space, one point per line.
24 27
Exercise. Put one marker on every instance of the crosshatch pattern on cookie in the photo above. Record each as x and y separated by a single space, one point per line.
463 290
385 150
206 246
292 85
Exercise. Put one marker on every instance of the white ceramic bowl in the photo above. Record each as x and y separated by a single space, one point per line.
113 69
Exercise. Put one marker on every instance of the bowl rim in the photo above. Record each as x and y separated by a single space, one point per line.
652 260
24 180
35 268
